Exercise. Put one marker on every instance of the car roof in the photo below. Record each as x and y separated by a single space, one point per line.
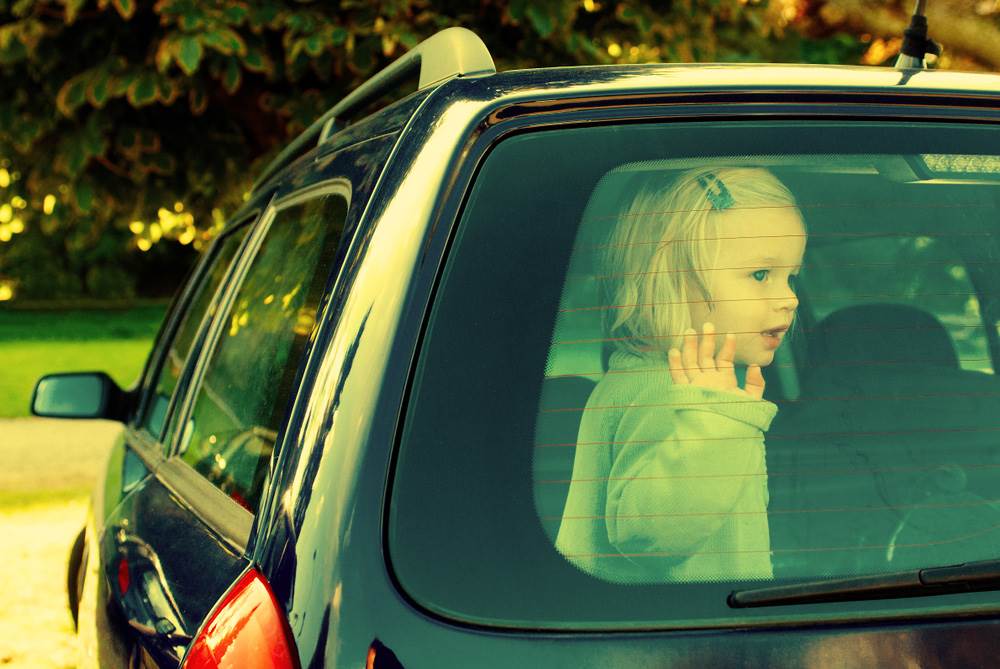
538 85
598 79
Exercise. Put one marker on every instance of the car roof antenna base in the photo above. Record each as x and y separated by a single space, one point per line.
916 43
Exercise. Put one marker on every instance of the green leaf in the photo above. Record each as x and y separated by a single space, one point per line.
11 50
126 8
19 40
22 8
192 18
92 137
197 100
118 84
72 10
167 90
408 39
142 91
165 53
301 22
516 9
339 35
232 76
98 90
235 14
264 14
189 54
70 157
256 60
313 45
364 54
225 41
26 133
541 21
71 95
84 196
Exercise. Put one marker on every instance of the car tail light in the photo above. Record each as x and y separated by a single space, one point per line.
124 579
246 629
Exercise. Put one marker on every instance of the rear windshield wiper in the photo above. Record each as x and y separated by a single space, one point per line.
965 577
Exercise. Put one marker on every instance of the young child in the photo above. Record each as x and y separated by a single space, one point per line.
669 481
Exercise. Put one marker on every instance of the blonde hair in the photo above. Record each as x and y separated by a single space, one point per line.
662 246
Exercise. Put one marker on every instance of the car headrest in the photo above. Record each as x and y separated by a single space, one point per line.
894 334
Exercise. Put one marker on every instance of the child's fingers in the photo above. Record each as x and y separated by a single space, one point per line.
755 382
727 353
706 350
677 372
689 352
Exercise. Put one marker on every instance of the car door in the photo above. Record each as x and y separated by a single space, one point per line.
131 462
194 465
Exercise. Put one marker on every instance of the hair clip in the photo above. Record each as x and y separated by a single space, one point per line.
721 198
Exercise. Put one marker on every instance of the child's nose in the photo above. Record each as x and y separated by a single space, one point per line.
788 301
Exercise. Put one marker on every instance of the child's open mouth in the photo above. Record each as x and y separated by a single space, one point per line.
772 337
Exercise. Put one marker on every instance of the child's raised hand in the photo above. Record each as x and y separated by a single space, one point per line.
698 364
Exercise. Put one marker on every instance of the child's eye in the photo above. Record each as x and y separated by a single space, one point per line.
760 274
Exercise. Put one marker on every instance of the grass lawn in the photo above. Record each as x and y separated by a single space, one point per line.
38 342
122 359
21 500
140 322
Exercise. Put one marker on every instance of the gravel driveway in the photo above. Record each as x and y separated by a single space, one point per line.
40 457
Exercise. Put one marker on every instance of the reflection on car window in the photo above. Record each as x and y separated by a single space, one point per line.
202 307
927 273
704 356
251 373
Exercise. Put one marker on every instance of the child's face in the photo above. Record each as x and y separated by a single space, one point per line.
760 251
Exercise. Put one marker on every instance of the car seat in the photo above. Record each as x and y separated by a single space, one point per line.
887 334
562 404
887 423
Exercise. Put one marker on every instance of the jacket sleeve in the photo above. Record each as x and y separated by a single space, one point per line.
683 458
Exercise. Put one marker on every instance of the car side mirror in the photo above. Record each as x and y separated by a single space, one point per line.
78 395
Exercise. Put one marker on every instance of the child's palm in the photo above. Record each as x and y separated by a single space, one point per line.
698 365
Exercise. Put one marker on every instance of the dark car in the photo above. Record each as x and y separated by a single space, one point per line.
380 423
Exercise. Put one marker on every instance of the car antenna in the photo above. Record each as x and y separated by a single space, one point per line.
916 43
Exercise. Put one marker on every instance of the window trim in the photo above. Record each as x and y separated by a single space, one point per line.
224 515
216 509
503 121
154 364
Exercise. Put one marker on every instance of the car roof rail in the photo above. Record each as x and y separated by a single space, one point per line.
452 52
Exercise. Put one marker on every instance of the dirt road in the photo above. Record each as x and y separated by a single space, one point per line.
42 457
42 454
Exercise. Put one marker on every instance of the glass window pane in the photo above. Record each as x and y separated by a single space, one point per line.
201 307
252 371
919 271
554 446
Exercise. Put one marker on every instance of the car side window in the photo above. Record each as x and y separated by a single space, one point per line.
201 306
252 370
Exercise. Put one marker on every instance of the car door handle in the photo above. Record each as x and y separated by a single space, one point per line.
162 629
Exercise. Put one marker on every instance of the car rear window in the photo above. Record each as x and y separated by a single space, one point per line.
561 467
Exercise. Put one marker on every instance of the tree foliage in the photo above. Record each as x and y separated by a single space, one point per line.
129 129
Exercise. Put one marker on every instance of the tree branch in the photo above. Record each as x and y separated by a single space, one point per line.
111 167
